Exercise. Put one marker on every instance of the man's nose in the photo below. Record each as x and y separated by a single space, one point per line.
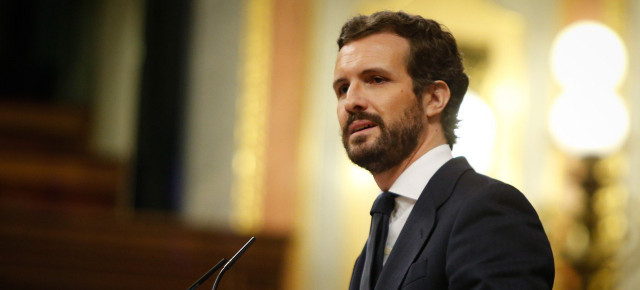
355 100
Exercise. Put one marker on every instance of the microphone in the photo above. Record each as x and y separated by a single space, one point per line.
232 261
207 275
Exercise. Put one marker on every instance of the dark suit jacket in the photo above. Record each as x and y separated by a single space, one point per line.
467 231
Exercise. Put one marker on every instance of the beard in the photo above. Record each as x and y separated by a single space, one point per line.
396 141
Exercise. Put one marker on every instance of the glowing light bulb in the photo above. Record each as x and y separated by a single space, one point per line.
589 126
587 54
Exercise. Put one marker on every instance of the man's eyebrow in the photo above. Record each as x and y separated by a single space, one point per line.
378 70
375 70
336 82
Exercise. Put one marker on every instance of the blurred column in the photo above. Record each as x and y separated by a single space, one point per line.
119 57
119 62
291 35
210 117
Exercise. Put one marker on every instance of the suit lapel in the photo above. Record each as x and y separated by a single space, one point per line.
420 222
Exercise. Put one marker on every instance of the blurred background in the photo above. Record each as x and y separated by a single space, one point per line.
143 141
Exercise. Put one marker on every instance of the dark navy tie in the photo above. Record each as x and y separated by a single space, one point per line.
382 208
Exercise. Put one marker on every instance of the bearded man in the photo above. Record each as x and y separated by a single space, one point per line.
399 82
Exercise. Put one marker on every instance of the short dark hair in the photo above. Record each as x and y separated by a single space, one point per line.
433 55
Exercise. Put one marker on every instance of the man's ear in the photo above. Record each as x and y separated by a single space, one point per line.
435 97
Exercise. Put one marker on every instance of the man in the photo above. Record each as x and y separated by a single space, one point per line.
438 224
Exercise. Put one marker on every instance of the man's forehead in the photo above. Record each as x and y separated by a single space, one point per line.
383 48
382 41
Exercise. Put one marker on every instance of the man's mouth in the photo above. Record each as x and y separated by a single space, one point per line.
361 125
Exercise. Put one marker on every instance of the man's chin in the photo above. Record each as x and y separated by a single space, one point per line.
366 158
359 143
359 150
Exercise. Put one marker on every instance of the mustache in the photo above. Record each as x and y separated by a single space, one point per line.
362 116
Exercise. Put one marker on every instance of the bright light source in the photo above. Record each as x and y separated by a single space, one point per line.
476 132
584 126
588 54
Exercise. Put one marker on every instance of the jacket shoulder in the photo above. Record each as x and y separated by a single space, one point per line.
496 237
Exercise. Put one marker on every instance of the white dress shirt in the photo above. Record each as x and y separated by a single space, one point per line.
409 186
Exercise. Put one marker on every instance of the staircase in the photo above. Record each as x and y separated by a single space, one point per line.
45 159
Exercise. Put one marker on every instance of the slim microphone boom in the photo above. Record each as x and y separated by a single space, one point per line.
207 275
232 261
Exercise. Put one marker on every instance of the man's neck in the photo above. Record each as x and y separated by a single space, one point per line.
387 178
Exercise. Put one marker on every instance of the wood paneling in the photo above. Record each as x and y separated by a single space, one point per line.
81 249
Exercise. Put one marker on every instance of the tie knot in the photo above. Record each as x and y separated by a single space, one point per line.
385 203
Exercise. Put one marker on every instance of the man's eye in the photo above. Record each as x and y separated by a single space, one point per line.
377 80
343 89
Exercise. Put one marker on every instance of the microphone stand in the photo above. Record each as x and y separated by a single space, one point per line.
232 261
207 275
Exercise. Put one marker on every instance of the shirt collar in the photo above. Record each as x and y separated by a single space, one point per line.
413 180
